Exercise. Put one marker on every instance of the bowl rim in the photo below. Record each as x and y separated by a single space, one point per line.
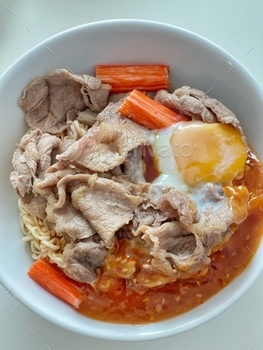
133 21
145 331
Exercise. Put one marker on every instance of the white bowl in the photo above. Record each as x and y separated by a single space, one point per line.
194 61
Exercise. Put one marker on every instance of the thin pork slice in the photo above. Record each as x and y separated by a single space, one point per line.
68 221
33 156
106 145
107 205
198 105
52 100
175 250
82 259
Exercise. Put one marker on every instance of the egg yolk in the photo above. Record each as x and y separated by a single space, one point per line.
208 152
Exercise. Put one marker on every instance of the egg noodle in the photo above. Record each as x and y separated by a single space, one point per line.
44 242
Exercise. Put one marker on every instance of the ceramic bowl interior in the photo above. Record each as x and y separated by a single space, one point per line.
193 61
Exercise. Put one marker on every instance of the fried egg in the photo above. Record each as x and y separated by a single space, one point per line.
189 155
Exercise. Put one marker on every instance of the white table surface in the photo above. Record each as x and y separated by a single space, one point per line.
234 25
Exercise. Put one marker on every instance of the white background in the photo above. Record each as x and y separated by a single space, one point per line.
236 26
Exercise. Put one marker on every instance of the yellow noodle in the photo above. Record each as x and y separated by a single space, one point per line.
43 241
80 128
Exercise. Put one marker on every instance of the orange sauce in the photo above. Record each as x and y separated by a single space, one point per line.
120 304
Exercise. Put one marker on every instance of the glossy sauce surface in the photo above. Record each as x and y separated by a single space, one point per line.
113 302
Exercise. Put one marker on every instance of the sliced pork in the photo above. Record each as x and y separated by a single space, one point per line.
177 205
213 226
69 222
33 156
146 217
210 221
175 250
35 205
48 147
87 117
82 259
52 100
106 145
198 105
107 205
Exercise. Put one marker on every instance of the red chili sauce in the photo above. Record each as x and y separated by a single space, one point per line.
119 304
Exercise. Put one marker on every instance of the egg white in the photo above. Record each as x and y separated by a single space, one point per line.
165 159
